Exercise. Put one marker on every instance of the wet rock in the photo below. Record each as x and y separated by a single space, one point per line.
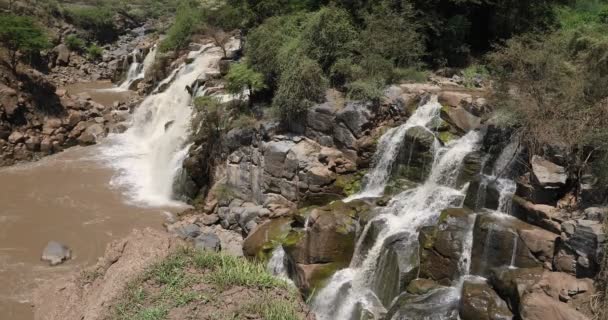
437 304
501 240
207 242
415 157
482 193
56 253
261 241
480 302
422 286
33 143
441 246
455 99
328 242
397 266
548 174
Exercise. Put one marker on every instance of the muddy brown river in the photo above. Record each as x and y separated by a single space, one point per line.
68 198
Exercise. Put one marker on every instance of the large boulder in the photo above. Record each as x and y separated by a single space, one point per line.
548 174
415 157
542 215
480 302
442 246
539 294
326 243
356 117
261 242
440 303
8 101
501 240
460 118
397 266
579 251
63 55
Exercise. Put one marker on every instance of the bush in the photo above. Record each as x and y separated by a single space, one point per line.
555 88
97 20
241 77
74 43
301 85
94 52
187 20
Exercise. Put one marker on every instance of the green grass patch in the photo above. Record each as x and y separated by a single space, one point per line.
177 281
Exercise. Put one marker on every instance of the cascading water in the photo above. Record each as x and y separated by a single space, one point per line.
351 289
388 148
138 70
150 153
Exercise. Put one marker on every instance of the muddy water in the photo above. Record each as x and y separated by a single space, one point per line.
103 92
68 198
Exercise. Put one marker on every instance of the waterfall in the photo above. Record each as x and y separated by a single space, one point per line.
138 70
276 264
388 148
351 288
149 154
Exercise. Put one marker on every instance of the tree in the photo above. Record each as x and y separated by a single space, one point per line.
220 39
19 34
328 36
241 76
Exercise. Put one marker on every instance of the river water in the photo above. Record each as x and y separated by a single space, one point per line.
70 198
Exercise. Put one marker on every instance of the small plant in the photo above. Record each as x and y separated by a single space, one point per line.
74 43
475 75
94 52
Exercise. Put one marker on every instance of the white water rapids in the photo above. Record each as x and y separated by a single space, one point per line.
406 213
150 153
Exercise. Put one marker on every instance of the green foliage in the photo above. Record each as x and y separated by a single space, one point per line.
211 120
301 85
21 34
583 13
186 22
368 90
94 52
97 20
241 76
74 42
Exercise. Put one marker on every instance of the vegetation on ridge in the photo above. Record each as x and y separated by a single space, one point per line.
193 282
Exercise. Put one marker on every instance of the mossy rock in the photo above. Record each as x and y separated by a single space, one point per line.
446 137
265 238
314 277
350 184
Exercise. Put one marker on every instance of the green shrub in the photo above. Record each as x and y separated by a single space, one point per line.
97 20
94 52
301 85
366 90
74 43
241 77
21 34
186 22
